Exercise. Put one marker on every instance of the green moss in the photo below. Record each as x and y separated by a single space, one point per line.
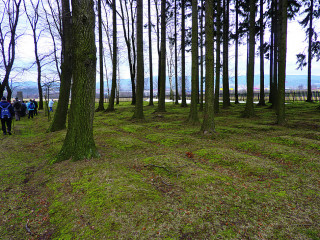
125 143
250 146
132 128
167 139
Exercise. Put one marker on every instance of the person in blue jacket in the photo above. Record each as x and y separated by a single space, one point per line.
6 114
31 107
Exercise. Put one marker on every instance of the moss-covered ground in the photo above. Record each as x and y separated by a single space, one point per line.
162 179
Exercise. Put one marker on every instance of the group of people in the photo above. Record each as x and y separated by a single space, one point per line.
18 109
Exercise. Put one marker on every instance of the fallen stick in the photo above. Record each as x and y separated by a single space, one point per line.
27 228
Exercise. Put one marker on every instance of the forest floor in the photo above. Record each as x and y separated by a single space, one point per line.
163 179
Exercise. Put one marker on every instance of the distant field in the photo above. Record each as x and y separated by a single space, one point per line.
162 179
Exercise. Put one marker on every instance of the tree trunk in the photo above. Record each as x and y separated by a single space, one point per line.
282 62
183 60
218 65
101 98
236 55
161 103
275 56
249 110
271 75
79 142
114 59
208 116
226 94
176 52
150 54
309 95
138 113
193 115
201 58
60 116
261 100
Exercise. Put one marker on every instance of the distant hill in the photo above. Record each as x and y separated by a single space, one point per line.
292 82
30 89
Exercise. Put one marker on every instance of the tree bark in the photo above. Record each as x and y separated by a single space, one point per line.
218 65
150 54
282 62
101 97
249 110
176 53
226 94
79 143
208 116
138 113
183 60
309 95
236 55
114 59
201 58
261 100
161 103
60 116
193 115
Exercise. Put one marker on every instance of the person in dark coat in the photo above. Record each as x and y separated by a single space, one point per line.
35 112
17 105
6 114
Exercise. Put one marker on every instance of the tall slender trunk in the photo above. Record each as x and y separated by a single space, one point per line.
226 94
249 110
60 116
218 65
208 116
193 115
176 52
236 55
38 70
261 100
271 75
138 113
161 105
150 54
114 59
309 95
183 60
282 62
275 56
101 98
201 58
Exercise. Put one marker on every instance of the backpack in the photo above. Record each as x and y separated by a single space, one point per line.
31 106
5 112
17 106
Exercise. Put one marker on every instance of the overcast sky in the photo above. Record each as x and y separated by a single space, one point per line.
296 44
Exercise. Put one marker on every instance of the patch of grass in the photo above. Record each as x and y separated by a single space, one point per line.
133 128
125 143
167 139
162 179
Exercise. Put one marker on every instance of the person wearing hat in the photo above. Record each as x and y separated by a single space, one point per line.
6 114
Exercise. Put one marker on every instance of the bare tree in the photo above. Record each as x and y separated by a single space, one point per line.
8 38
33 18
128 13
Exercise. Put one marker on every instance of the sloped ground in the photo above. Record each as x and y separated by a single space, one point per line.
162 179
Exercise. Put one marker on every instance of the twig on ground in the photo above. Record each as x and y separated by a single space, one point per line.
27 228
168 184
